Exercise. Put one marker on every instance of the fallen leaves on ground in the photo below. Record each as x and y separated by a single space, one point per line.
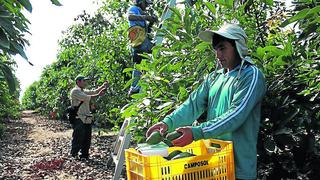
37 148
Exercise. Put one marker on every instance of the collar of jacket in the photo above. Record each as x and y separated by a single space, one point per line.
237 68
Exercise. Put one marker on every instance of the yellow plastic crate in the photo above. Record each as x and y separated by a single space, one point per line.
214 160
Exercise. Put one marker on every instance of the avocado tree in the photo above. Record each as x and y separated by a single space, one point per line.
289 57
95 47
13 27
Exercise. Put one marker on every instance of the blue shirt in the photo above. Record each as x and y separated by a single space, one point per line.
135 10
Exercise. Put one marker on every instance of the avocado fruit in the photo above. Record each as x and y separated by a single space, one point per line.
167 142
173 154
154 138
173 135
182 155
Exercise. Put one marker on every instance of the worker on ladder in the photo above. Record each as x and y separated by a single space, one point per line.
140 25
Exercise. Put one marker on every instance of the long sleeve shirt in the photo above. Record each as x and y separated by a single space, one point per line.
233 104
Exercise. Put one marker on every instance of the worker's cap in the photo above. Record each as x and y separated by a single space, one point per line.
229 31
81 77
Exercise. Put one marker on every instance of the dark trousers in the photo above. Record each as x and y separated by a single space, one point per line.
145 47
81 138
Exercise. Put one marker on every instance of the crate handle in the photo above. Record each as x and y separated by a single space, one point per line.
215 145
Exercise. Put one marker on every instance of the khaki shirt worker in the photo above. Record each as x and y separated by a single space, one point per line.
78 95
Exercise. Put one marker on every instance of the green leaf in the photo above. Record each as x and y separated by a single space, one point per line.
300 15
314 10
138 96
305 92
164 105
175 11
21 26
4 41
260 52
269 2
221 2
211 7
128 84
274 50
7 26
127 70
316 20
56 2
155 51
141 67
9 77
279 61
26 4
202 46
163 68
19 49
183 93
229 3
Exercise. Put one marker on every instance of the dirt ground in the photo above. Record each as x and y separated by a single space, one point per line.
37 148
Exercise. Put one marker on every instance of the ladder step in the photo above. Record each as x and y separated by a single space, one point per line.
115 160
120 138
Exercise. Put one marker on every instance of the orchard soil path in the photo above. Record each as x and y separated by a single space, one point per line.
37 148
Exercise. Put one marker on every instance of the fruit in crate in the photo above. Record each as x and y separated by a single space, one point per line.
182 155
173 154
